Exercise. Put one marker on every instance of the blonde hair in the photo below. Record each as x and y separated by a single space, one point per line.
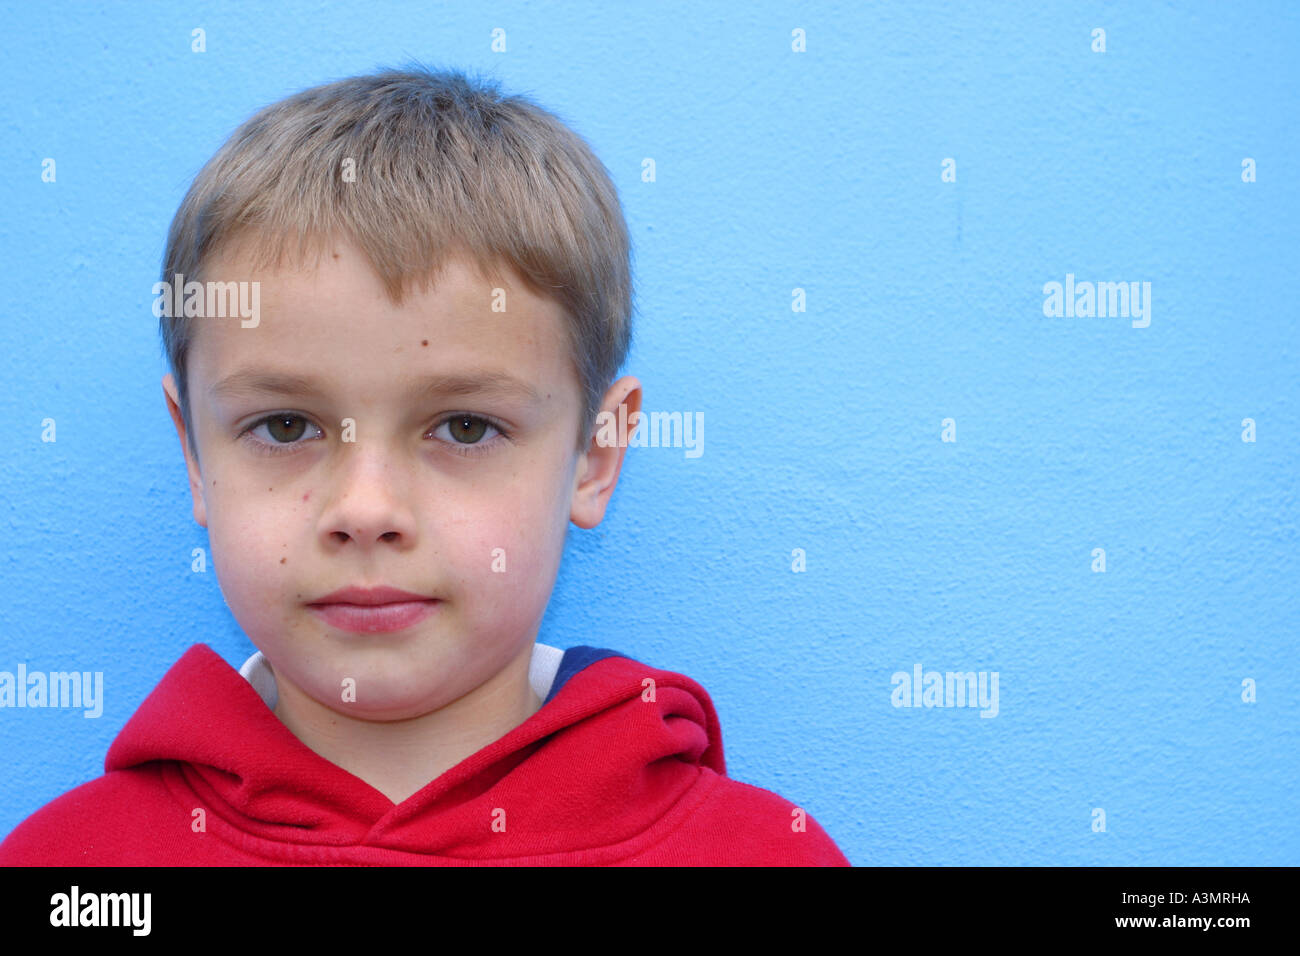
445 165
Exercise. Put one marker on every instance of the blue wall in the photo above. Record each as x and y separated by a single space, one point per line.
777 171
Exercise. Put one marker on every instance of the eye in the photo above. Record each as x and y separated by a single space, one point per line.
283 428
465 433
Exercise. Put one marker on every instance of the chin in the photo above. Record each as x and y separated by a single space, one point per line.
381 705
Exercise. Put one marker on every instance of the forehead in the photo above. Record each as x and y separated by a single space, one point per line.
330 320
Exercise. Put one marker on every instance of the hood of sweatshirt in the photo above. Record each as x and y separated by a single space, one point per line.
614 747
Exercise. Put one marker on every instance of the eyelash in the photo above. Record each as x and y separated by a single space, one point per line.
473 450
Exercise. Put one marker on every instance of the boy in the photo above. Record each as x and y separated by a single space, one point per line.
386 441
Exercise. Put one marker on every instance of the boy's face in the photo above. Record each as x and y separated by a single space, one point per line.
422 499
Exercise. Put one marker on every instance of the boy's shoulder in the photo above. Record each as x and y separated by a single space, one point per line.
99 823
740 824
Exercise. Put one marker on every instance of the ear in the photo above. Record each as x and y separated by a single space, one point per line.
192 466
599 466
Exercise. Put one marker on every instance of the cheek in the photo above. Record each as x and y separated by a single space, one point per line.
509 548
251 553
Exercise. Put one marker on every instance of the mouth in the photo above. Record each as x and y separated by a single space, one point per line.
374 618
373 610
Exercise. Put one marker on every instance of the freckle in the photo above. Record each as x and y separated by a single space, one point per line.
424 342
270 489
282 560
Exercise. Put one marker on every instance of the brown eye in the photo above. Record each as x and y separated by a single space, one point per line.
283 429
466 429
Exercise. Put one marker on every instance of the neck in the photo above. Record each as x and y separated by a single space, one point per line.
400 757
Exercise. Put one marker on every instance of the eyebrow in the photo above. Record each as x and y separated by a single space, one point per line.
488 383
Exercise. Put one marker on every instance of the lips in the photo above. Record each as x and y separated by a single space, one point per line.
369 597
373 610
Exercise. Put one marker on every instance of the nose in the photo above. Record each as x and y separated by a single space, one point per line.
369 500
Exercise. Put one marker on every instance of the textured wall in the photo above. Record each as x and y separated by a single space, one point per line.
775 171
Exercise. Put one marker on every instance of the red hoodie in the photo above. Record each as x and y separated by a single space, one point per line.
600 775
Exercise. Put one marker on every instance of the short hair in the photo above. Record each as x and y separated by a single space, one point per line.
444 165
